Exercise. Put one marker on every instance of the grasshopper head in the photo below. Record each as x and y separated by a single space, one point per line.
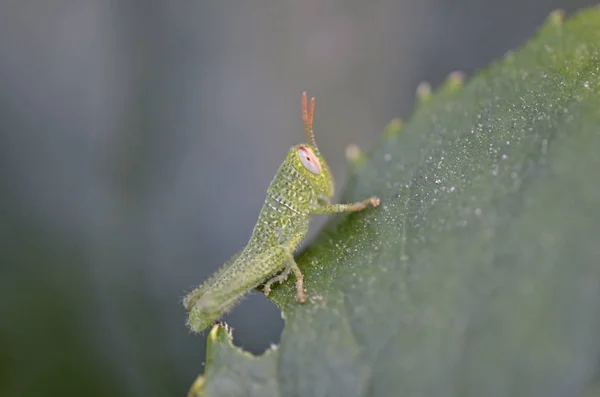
307 159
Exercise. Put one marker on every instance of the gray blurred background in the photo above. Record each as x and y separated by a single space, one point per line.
137 139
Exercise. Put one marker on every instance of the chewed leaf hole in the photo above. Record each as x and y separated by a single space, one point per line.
256 323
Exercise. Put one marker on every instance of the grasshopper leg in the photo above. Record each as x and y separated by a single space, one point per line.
299 281
291 266
280 278
352 207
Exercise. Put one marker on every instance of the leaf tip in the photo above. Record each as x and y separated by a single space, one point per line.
197 389
509 56
219 332
424 92
393 127
455 80
556 17
354 155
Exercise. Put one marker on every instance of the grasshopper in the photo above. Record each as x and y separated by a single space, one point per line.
302 186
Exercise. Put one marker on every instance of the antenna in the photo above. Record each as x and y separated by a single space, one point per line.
308 112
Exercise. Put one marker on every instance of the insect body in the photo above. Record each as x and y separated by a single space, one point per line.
302 186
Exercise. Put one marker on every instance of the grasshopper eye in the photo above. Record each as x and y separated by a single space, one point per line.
309 160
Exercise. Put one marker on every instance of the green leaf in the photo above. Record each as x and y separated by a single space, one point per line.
479 275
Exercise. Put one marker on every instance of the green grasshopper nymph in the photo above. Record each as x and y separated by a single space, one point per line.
302 186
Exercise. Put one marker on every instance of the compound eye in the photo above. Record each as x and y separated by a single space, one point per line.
309 160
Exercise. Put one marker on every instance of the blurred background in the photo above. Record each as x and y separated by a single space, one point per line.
137 140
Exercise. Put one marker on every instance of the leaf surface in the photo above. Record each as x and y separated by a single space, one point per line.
479 275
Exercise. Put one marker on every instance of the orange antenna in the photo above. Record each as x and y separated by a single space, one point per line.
308 112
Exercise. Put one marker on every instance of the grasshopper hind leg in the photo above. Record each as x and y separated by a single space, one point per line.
190 299
206 314
221 293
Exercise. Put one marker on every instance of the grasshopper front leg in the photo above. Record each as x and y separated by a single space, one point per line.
353 207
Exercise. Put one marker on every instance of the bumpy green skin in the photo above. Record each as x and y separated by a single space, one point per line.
294 193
